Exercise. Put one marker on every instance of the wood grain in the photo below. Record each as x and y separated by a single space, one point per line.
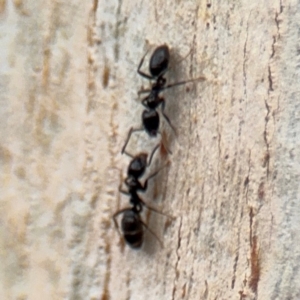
68 86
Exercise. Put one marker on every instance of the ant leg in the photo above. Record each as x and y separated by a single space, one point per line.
144 187
152 232
175 63
139 68
157 211
201 78
151 156
127 140
185 57
152 208
167 149
144 91
163 104
123 192
127 153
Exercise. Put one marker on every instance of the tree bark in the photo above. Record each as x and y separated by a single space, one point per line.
68 86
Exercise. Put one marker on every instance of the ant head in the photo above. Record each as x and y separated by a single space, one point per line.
159 61
137 166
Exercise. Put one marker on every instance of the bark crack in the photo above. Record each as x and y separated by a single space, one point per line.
219 148
117 29
91 88
247 180
245 57
246 186
234 267
267 156
178 259
254 257
270 78
270 90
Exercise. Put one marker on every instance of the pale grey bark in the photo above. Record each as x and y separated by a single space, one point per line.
68 87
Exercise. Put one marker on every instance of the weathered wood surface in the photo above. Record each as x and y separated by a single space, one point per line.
68 87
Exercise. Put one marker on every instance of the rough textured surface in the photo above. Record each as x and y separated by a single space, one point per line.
68 95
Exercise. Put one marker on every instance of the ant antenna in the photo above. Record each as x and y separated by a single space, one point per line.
151 155
182 59
201 78
132 130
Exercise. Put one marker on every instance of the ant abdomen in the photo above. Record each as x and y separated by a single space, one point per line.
132 228
151 121
159 61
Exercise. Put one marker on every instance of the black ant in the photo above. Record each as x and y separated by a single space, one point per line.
131 223
158 66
